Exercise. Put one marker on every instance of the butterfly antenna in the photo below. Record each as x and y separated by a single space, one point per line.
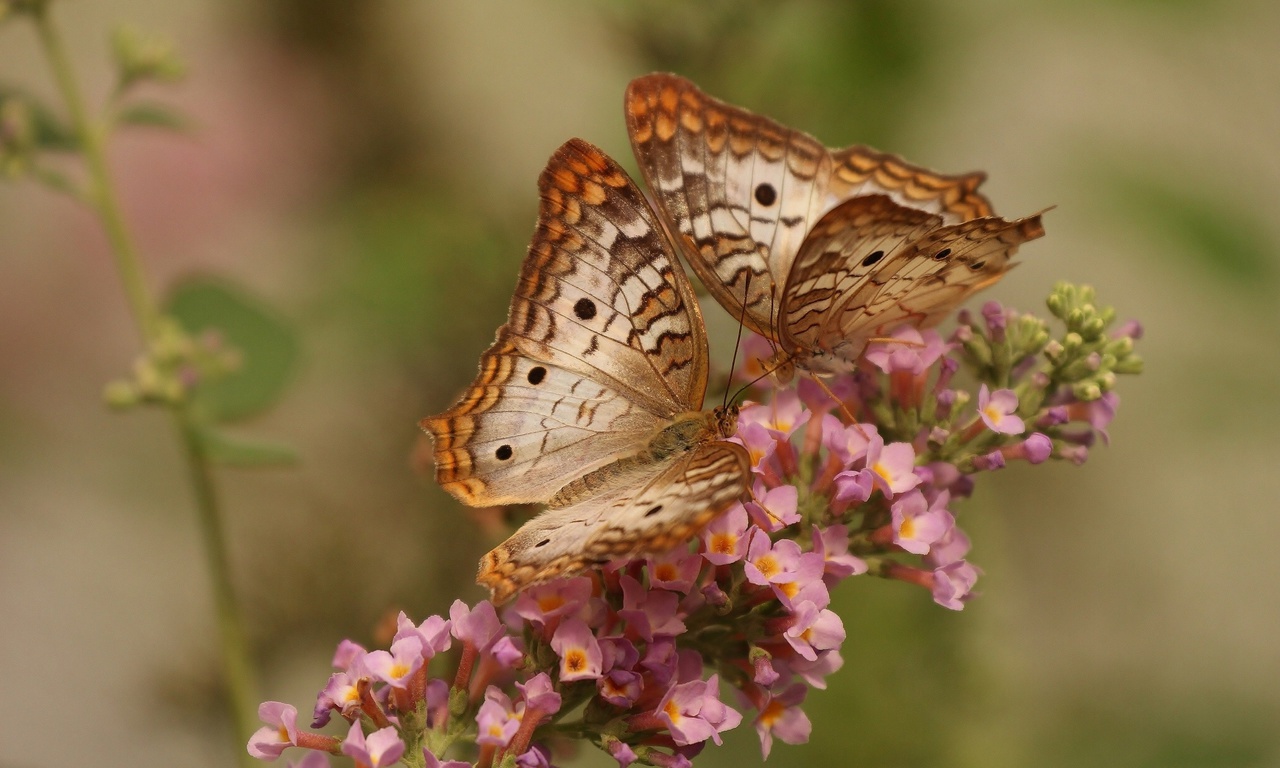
769 372
843 408
733 363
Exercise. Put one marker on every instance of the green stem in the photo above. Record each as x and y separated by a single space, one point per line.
101 195
101 192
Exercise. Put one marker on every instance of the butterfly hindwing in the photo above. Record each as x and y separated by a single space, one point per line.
654 517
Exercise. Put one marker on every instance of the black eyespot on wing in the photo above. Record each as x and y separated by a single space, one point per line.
503 453
542 543
585 309
873 258
766 195
653 511
977 265
537 374
942 254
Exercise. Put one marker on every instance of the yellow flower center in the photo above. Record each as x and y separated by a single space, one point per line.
284 733
992 413
575 660
665 572
768 565
908 529
882 471
771 713
789 589
399 669
724 543
672 711
550 602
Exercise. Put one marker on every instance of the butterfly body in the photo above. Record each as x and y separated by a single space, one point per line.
818 250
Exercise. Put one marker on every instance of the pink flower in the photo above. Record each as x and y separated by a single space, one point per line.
280 731
760 444
395 668
815 671
814 629
782 717
694 713
918 524
677 570
347 655
832 544
620 687
579 651
953 584
382 747
770 562
775 508
847 443
782 415
543 602
892 465
478 626
725 538
649 612
920 352
951 548
433 632
497 719
999 411
854 486
539 694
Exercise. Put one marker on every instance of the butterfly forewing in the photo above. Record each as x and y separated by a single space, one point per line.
747 195
738 189
603 345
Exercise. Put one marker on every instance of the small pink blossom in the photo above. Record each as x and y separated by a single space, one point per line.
917 525
953 584
380 748
999 411
478 626
761 445
892 465
578 649
921 350
677 570
847 443
775 508
782 717
725 539
650 612
433 632
497 719
770 562
397 666
781 416
832 544
543 602
814 629
951 548
280 731
694 713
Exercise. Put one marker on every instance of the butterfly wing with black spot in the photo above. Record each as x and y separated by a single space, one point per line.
870 265
603 346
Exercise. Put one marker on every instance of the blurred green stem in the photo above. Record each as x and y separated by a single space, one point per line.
101 195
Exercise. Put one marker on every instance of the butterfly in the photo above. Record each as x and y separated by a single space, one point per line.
590 398
821 251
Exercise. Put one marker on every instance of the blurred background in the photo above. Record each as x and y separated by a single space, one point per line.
367 172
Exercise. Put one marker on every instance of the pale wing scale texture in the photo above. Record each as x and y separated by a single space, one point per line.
587 399
739 190
655 517
870 265
611 371
746 194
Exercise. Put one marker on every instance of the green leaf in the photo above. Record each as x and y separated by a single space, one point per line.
153 115
269 348
239 452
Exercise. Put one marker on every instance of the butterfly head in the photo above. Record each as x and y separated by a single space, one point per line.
725 420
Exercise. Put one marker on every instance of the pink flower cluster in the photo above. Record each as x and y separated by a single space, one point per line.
852 475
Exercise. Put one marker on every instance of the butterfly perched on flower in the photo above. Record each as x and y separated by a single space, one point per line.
818 250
